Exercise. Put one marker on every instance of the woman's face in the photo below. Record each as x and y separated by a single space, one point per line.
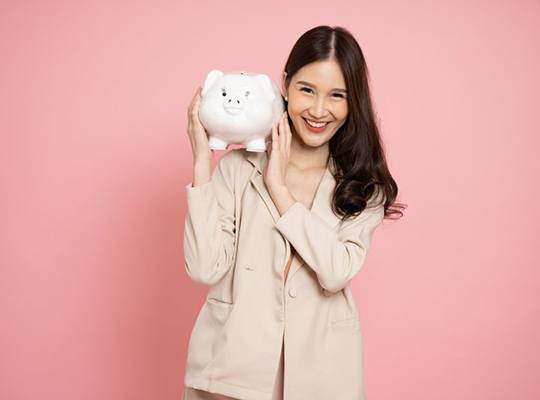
317 92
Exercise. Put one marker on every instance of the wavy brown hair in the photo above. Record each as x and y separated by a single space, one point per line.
356 148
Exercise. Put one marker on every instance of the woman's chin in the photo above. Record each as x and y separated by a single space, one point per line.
313 140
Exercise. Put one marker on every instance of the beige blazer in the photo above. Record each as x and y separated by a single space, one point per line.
236 243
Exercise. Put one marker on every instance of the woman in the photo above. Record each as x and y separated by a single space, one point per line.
278 236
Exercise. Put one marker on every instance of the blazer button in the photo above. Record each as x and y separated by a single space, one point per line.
292 292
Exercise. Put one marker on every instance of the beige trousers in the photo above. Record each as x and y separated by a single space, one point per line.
197 394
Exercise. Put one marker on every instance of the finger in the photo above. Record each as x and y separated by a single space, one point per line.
282 141
192 102
285 134
197 100
275 138
195 111
289 133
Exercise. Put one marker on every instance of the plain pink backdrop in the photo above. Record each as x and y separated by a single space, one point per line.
94 299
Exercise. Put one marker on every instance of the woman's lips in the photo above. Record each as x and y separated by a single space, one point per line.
313 129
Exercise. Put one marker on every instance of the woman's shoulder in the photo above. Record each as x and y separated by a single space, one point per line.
236 166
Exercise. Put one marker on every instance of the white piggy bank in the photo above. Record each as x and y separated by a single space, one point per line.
240 108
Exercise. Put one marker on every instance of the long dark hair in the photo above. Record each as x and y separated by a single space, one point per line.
356 148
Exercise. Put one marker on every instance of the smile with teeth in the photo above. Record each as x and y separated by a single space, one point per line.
316 124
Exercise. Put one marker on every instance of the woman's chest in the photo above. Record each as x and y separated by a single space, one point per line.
303 185
258 239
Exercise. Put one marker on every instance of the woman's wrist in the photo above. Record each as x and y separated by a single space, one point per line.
202 172
282 198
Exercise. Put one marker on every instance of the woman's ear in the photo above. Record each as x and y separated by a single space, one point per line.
283 88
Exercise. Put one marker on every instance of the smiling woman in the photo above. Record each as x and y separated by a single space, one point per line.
279 236
317 102
325 81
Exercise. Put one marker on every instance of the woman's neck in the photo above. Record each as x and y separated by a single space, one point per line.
304 157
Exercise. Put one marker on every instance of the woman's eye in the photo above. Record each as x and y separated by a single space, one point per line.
335 94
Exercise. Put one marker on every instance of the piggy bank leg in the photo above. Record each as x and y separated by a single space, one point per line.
257 145
217 144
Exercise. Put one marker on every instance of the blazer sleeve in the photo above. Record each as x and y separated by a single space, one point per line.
336 256
210 226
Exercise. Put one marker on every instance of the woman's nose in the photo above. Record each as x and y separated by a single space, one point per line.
318 109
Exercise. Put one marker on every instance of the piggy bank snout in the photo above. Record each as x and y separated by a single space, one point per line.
233 104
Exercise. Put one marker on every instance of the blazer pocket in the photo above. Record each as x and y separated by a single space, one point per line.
214 300
350 324
219 310
207 337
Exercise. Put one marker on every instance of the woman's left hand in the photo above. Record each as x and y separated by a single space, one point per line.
275 172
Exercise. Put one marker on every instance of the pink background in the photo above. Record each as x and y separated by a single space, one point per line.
94 299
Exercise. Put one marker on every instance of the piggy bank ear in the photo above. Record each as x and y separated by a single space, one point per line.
266 85
211 78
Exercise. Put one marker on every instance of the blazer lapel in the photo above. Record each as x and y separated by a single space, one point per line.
259 159
321 203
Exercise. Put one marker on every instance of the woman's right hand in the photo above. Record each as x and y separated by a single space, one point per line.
196 132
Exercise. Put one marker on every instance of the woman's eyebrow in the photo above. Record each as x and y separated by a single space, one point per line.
313 86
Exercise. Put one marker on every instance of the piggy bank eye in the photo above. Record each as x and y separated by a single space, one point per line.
223 92
247 93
